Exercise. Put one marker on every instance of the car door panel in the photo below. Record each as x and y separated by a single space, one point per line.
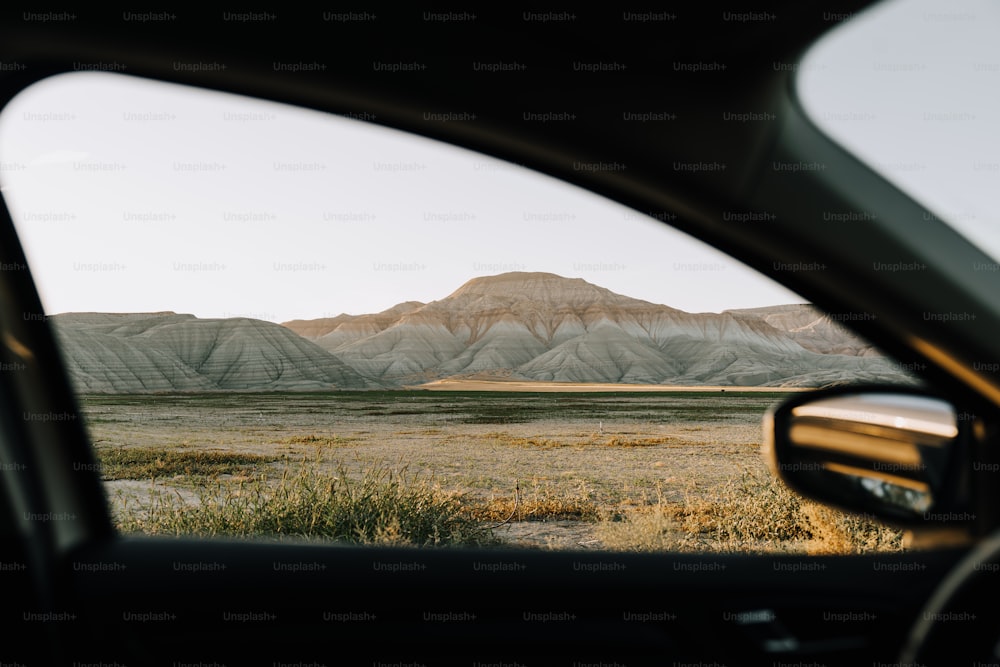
186 600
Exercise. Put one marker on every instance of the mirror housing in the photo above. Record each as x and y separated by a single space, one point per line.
898 454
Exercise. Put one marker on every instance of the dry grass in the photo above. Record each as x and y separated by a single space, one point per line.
540 507
622 441
506 439
535 443
834 532
385 506
632 472
751 514
151 463
313 439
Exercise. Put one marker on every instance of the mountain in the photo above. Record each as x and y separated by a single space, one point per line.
332 332
811 328
518 326
540 326
149 352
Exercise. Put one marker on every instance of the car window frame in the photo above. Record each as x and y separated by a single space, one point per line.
798 138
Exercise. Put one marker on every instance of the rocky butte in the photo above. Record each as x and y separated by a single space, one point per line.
515 326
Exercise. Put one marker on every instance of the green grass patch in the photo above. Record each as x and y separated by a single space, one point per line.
384 507
448 407
147 462
320 440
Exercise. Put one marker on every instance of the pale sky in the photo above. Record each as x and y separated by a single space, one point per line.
131 195
139 196
912 87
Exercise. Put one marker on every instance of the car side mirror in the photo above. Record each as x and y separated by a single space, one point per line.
897 454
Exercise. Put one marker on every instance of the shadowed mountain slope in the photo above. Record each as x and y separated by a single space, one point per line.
147 352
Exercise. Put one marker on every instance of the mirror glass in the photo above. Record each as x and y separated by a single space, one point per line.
886 453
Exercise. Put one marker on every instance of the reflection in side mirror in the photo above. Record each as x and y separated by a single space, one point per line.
892 453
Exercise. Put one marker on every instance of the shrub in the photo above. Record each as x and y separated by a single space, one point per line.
382 507
753 513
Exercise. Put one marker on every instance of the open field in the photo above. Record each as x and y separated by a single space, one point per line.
574 387
617 470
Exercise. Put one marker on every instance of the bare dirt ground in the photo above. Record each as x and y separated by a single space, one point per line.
616 449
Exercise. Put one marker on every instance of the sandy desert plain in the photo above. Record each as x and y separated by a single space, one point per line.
552 466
